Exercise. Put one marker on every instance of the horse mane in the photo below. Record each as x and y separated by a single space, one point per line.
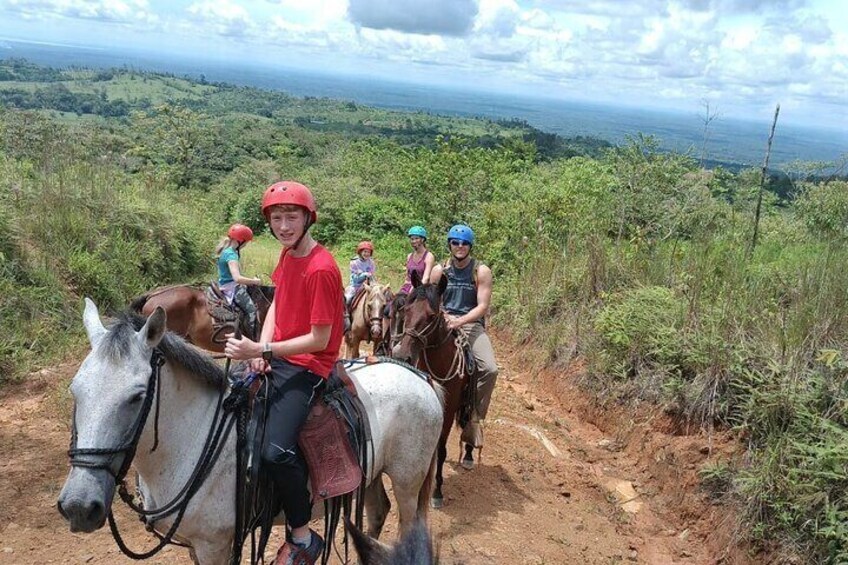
428 291
263 291
121 336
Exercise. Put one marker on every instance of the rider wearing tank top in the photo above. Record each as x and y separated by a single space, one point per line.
424 264
466 302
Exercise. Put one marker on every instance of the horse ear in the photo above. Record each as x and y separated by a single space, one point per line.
443 283
91 320
370 551
154 328
415 279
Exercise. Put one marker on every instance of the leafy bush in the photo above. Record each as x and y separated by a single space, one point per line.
796 486
639 335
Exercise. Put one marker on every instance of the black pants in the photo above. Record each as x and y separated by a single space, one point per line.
291 391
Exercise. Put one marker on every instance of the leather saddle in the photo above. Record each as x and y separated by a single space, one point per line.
361 292
334 440
226 317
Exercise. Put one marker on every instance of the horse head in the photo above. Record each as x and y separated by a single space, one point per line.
414 548
423 323
262 297
396 317
109 392
378 297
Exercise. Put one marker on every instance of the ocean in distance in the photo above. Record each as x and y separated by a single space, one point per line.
729 140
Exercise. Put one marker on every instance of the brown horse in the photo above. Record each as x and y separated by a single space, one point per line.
395 317
432 347
188 315
366 322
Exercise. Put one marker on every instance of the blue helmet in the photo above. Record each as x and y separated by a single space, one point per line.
417 231
461 232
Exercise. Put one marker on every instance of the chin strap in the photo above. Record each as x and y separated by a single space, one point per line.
297 243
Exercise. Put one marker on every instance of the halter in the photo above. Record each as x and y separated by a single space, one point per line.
78 456
366 305
234 408
457 366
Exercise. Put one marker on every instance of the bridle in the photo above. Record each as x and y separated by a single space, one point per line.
233 406
79 456
423 337
372 319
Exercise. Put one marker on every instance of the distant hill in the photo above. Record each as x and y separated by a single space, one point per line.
730 142
115 93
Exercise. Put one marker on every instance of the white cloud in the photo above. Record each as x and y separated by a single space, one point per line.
498 18
115 11
738 52
313 13
223 17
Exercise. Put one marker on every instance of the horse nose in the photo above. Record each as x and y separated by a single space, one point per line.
402 354
82 515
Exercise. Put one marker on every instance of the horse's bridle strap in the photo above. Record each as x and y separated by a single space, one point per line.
78 455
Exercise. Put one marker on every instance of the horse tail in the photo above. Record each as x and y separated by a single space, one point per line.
137 303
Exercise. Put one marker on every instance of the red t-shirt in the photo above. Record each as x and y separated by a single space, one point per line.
309 293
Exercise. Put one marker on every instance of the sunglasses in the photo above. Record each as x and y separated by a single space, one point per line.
458 243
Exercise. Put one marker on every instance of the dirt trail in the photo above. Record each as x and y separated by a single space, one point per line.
544 493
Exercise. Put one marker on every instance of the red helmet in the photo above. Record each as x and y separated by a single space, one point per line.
240 233
289 192
365 245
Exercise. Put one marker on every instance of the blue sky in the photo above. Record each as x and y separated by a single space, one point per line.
740 56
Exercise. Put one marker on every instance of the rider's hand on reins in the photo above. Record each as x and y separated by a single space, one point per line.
259 366
453 321
242 348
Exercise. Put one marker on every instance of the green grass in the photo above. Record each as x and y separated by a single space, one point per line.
130 87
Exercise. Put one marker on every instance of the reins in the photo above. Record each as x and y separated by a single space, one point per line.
457 366
219 431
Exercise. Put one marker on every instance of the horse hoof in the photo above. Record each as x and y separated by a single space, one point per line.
437 502
467 464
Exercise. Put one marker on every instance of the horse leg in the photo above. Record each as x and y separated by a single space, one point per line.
406 489
377 506
438 500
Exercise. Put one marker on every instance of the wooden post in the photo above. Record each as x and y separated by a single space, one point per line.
762 185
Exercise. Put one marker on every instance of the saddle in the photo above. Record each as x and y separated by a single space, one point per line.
334 440
357 298
226 317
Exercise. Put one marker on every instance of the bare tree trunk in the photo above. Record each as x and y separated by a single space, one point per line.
762 185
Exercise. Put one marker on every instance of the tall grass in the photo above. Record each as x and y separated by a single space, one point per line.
74 227
688 321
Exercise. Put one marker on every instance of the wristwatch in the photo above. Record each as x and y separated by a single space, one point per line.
267 354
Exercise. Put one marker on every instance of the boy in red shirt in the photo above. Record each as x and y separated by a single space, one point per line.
300 341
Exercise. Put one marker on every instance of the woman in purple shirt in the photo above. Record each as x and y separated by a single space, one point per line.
420 260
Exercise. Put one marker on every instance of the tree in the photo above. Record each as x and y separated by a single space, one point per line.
178 140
